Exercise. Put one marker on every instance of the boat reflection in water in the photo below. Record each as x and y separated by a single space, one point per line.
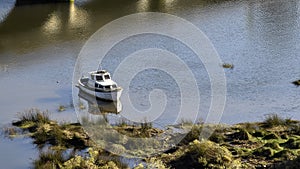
100 107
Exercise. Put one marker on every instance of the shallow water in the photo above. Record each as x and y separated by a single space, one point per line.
17 153
39 45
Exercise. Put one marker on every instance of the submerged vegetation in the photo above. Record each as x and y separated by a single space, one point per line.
273 143
61 108
227 66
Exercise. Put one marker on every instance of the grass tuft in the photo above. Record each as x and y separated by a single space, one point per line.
273 120
34 115
185 122
146 125
122 123
49 160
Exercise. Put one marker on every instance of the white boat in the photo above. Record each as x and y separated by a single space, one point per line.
99 84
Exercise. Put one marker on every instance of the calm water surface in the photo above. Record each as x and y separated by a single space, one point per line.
39 45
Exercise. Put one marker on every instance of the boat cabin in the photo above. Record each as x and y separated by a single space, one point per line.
102 80
100 75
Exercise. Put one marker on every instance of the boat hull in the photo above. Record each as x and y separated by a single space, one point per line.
104 95
104 106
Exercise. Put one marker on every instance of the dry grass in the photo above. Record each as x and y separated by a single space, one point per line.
273 120
49 160
34 115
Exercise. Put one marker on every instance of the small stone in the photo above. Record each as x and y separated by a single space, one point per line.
227 65
297 82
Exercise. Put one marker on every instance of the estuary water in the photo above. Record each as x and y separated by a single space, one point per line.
39 45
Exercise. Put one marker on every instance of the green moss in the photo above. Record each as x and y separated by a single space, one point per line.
145 130
27 125
139 166
244 152
95 160
205 154
257 144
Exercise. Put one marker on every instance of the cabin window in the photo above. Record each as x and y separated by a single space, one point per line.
99 78
107 87
106 77
114 86
96 85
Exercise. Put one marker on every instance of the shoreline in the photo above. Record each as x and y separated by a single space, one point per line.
272 143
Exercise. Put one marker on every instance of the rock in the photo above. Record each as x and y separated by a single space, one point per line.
203 154
288 164
284 136
285 154
258 133
271 136
264 152
292 143
241 135
273 145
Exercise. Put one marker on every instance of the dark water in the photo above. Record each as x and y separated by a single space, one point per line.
39 45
